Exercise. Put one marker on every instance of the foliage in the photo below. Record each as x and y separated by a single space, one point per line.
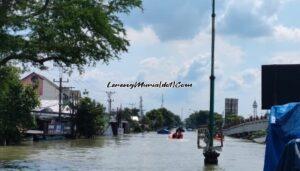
201 118
258 134
158 118
16 104
90 119
68 32
127 114
233 119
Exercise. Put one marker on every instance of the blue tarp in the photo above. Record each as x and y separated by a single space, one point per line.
290 158
284 126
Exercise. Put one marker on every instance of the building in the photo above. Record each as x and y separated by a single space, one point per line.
231 106
47 114
47 90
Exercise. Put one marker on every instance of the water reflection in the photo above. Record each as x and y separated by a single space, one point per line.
131 152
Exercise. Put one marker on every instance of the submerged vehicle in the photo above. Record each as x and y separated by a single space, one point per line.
163 131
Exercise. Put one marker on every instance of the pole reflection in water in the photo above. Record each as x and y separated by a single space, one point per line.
134 152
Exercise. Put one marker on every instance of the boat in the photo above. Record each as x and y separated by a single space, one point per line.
163 131
178 134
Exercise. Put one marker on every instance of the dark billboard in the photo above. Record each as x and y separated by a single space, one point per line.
280 85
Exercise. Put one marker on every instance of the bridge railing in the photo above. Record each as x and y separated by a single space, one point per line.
245 121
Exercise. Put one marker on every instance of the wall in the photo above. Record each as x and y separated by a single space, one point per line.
49 91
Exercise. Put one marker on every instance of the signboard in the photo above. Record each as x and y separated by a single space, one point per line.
280 85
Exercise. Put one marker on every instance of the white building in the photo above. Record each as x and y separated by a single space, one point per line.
48 93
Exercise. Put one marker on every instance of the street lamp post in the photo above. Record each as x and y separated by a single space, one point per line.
211 156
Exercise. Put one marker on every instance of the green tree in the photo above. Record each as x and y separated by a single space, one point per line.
201 118
233 119
155 119
162 117
73 33
127 114
16 104
90 119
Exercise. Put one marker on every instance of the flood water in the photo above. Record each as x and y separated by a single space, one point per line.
135 152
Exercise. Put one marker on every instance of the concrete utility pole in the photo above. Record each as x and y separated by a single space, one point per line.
141 107
60 95
109 100
211 156
162 101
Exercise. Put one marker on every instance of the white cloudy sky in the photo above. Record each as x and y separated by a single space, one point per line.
170 41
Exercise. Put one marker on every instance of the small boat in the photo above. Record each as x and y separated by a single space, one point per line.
178 134
219 137
163 131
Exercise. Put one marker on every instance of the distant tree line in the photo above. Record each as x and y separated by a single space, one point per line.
201 117
152 121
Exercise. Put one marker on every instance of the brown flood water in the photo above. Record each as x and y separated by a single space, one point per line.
135 152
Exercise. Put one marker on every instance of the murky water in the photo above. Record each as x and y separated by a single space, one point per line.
136 152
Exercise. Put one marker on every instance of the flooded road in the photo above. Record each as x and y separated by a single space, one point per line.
135 152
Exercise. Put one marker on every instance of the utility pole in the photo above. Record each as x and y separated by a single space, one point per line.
211 156
60 81
141 107
109 100
162 101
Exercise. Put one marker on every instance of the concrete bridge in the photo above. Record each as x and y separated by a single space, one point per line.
246 127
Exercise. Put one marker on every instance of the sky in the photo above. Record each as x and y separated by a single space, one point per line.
170 41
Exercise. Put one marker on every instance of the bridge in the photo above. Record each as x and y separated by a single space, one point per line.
246 127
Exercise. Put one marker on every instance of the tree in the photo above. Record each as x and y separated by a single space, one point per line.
90 119
162 118
155 119
68 32
232 119
199 118
16 104
127 114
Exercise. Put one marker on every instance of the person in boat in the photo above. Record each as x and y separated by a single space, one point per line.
178 134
